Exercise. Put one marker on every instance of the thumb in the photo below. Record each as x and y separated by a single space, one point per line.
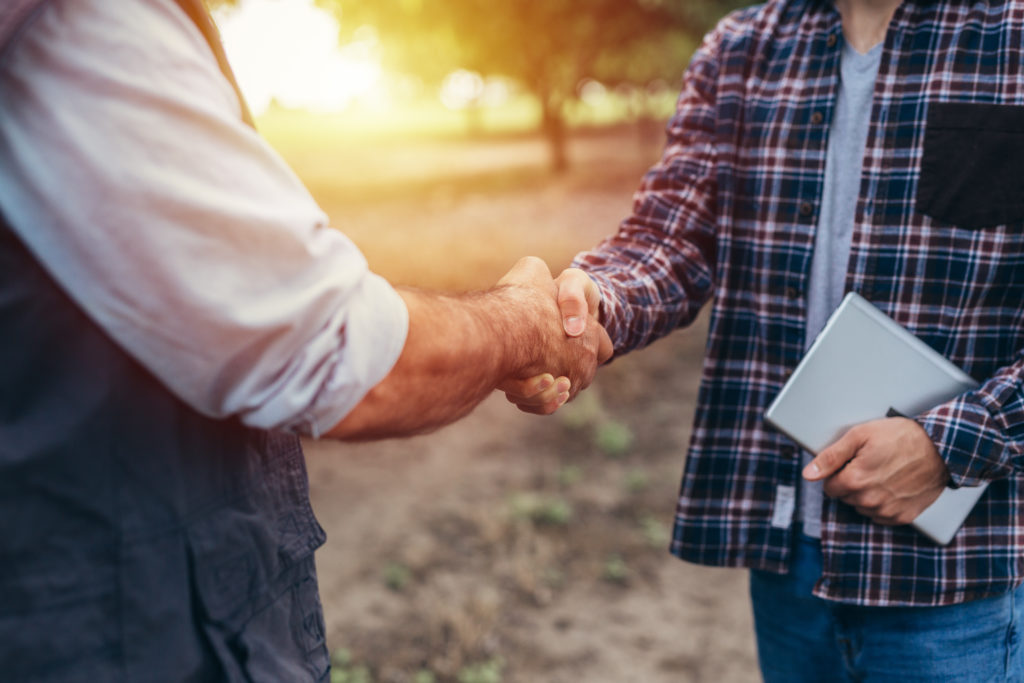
833 458
528 269
578 297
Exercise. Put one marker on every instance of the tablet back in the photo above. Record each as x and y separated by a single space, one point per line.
862 366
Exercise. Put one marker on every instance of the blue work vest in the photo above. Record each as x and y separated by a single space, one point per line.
139 540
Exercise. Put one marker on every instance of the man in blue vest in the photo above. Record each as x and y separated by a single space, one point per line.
174 312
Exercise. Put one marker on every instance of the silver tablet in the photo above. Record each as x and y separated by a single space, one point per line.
862 366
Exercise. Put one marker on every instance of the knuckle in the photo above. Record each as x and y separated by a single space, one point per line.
854 479
871 500
828 459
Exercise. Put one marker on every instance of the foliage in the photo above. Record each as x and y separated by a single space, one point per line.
344 670
484 672
636 480
549 46
615 569
613 438
569 475
655 532
396 576
542 43
541 510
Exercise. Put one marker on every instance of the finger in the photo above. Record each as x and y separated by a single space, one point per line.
552 395
526 388
548 406
838 488
573 300
833 458
549 396
605 349
546 409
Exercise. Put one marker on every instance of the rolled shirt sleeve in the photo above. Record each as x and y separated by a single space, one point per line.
127 171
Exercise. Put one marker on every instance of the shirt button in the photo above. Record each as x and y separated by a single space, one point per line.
792 293
832 40
817 117
806 209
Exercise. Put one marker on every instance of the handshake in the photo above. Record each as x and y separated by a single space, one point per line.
569 341
532 336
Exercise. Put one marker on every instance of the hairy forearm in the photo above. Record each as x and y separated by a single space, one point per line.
459 348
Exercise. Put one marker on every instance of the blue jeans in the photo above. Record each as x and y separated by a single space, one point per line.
801 638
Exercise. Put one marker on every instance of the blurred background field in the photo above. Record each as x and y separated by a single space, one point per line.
506 548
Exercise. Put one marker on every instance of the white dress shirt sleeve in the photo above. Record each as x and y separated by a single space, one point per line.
127 171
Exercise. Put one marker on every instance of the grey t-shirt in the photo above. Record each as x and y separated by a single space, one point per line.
845 156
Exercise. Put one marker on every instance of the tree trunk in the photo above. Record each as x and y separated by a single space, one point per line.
553 127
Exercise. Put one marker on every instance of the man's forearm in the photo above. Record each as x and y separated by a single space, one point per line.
460 348
454 355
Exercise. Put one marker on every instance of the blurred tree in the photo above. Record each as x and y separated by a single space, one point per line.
549 46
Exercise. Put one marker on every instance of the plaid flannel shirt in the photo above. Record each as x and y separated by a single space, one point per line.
730 214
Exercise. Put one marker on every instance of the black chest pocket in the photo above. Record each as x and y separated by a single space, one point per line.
972 169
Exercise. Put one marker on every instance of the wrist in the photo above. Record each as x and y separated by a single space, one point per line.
514 316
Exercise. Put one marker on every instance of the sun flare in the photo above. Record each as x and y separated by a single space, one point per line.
288 52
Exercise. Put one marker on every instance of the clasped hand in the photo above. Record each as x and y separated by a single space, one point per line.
574 342
888 470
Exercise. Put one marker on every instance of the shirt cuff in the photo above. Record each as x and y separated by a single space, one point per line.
373 337
968 439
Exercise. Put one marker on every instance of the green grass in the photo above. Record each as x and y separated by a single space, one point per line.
396 576
344 670
655 532
570 475
483 672
636 481
540 510
613 438
615 570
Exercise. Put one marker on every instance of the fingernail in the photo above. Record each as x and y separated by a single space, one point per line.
574 325
544 384
811 471
562 398
564 385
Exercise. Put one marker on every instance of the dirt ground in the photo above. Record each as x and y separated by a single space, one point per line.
510 548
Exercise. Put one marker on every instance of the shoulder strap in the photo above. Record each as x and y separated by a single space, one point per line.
200 15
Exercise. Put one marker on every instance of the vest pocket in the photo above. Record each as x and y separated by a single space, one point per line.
253 575
972 167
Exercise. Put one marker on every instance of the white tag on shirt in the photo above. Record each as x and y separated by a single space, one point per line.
785 503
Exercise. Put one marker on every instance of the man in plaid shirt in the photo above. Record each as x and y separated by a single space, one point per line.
819 148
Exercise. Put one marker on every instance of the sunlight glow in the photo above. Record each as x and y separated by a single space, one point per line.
288 51
461 89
